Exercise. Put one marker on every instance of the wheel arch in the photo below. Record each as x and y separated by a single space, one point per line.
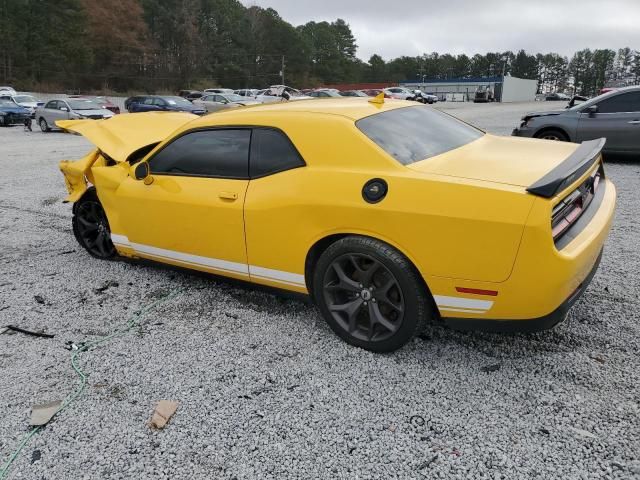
321 245
551 127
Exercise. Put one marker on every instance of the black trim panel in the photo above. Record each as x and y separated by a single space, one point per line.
569 170
527 325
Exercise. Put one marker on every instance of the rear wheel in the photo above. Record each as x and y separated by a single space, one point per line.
91 227
370 294
44 126
553 134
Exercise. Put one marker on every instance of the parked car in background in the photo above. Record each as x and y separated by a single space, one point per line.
9 91
324 93
218 90
614 116
157 103
484 93
556 97
104 102
220 101
69 109
420 96
247 92
374 92
399 93
190 95
26 101
11 113
353 93
280 93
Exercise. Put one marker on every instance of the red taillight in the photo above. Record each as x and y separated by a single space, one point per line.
477 291
567 212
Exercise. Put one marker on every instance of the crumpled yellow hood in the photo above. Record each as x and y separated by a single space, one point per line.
508 160
121 135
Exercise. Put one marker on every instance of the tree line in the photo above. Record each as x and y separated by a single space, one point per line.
164 45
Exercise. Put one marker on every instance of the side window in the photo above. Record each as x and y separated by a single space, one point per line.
51 104
208 153
148 101
159 102
627 102
272 152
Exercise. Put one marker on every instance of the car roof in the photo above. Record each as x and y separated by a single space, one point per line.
354 108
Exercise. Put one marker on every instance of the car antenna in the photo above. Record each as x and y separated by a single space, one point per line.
378 99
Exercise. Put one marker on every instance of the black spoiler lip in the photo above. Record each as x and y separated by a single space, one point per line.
566 173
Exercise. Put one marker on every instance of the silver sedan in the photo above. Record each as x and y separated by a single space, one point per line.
222 101
68 109
614 116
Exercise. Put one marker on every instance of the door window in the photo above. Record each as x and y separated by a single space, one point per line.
220 153
159 102
272 152
626 102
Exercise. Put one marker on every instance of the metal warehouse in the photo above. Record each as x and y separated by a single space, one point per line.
505 89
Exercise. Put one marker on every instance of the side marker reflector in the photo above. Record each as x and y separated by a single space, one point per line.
477 291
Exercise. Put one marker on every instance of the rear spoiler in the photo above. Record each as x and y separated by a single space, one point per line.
569 170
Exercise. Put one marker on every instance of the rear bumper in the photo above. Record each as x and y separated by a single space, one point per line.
530 325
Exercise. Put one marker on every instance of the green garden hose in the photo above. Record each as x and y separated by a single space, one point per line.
133 321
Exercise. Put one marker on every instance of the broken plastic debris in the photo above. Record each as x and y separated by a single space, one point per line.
163 413
41 414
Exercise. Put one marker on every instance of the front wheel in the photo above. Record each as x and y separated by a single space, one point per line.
555 135
91 227
44 126
370 294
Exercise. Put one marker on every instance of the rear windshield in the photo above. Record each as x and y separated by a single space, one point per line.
412 134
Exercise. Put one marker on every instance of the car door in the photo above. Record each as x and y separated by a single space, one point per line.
617 119
191 213
272 212
60 112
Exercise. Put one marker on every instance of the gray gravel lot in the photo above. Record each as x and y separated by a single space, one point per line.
266 390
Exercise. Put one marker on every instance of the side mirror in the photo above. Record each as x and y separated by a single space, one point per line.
141 171
591 110
64 109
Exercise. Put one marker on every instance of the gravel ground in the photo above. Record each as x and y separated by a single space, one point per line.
267 391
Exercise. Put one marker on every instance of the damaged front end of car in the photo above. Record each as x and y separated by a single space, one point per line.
119 142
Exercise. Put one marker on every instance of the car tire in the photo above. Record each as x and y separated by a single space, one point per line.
357 279
91 227
552 134
44 126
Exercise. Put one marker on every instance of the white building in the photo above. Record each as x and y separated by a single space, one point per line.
505 89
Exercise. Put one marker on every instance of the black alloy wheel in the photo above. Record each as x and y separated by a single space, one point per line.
91 227
370 294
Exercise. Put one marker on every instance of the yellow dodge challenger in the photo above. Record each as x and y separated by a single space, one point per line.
389 214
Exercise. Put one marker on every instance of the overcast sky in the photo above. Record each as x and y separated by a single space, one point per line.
412 27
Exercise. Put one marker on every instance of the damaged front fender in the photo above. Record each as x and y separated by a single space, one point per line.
77 174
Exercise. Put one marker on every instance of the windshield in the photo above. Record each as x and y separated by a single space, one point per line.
83 105
412 134
177 101
234 98
24 99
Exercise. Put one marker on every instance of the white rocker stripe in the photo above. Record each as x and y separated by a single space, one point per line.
287 278
463 303
463 310
120 240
